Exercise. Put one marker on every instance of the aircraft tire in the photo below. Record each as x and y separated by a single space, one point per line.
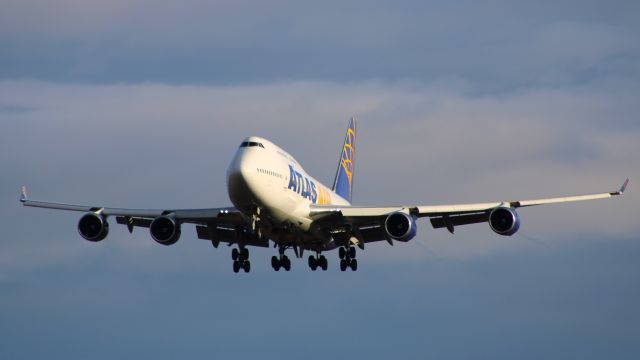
343 265
324 263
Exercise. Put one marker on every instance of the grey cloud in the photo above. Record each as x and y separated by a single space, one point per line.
570 301
457 102
494 47
168 146
567 275
14 109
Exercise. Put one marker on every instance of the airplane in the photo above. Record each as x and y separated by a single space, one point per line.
276 200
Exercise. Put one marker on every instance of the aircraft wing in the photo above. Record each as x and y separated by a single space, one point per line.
371 219
215 224
195 216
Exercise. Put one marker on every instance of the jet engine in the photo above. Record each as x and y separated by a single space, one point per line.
165 230
504 221
93 227
400 226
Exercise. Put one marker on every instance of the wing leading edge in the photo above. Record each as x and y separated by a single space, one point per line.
185 215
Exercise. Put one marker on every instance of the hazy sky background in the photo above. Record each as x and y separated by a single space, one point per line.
143 103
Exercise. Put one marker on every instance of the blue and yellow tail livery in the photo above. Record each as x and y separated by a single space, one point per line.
343 183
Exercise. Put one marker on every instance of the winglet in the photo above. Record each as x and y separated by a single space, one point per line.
23 194
622 188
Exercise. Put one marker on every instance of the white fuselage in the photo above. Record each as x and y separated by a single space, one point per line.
262 178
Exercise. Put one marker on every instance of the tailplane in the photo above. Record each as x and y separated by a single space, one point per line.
343 183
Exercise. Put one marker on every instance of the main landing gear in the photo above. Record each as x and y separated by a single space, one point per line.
281 261
348 258
318 261
241 260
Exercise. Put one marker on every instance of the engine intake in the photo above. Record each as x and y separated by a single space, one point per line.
504 221
400 226
165 230
93 227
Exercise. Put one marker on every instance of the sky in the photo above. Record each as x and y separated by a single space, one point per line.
143 103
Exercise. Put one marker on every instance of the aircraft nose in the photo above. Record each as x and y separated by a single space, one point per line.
241 180
247 171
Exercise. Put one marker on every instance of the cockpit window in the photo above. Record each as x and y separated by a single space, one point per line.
251 144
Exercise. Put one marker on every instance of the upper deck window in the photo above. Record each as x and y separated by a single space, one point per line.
251 144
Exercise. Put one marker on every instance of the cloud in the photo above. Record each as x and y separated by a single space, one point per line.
168 146
525 303
142 104
493 47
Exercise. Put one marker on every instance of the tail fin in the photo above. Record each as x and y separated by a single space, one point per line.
343 183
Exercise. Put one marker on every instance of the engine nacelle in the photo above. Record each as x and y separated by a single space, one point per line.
400 226
504 221
165 230
93 227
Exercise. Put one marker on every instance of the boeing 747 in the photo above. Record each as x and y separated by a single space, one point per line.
276 201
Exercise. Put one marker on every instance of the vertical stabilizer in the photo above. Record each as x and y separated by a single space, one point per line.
343 183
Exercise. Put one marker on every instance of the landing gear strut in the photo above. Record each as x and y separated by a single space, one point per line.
348 258
318 261
255 225
241 260
281 261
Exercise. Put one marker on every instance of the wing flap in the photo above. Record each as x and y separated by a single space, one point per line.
560 200
449 221
131 221
321 211
228 215
57 206
439 210
218 233
373 233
